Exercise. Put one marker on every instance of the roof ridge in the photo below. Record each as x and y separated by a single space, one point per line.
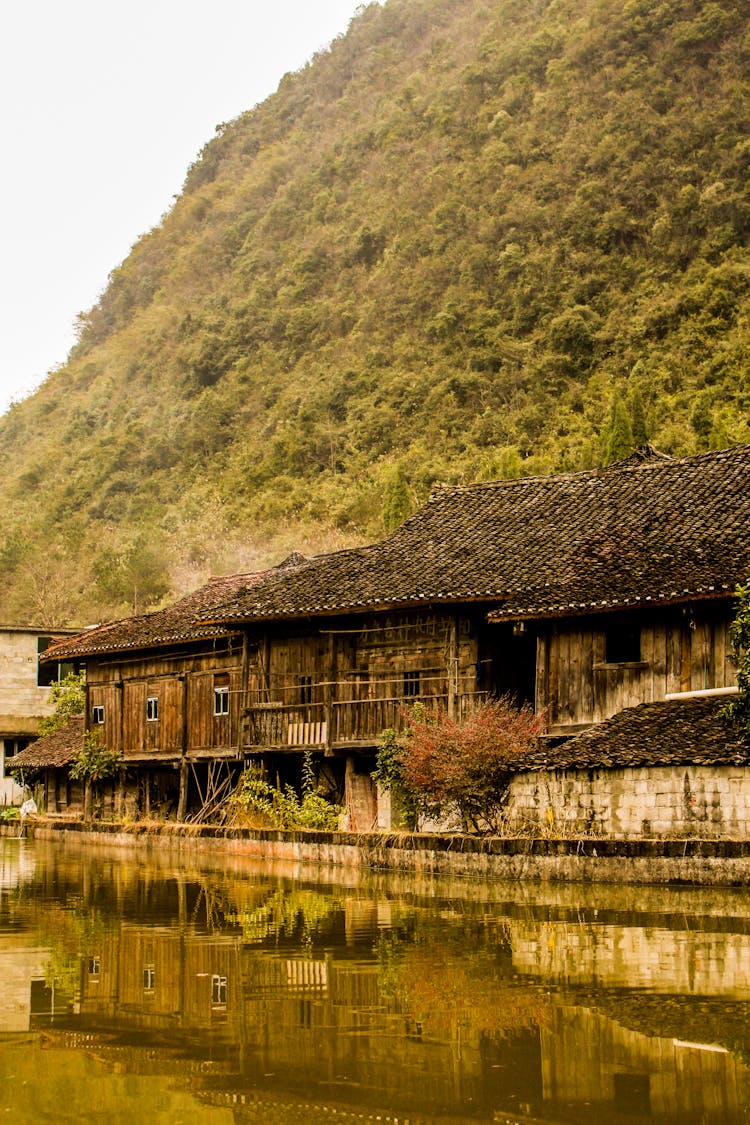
631 463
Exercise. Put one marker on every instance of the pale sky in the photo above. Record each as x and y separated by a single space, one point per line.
103 105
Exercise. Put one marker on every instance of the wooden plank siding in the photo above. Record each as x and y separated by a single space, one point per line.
678 652
183 684
340 682
344 683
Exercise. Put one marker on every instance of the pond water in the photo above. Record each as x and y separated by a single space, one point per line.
146 989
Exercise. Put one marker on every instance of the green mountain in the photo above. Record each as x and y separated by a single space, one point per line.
471 239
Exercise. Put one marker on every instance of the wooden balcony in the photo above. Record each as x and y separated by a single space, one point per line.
339 723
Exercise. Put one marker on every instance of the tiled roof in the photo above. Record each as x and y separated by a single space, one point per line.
177 624
651 529
55 749
678 732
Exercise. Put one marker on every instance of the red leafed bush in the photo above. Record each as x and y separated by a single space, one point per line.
465 768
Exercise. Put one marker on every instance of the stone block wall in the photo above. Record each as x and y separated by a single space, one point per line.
656 801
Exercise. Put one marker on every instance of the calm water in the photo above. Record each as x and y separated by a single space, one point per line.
148 991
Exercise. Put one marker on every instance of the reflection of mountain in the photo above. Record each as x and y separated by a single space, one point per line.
272 1000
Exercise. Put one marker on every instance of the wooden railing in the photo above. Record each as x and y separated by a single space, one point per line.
342 721
279 724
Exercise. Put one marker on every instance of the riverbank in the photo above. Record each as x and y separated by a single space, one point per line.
677 862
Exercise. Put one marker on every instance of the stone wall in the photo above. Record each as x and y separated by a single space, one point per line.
695 861
656 801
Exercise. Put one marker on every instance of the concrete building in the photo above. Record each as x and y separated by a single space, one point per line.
24 694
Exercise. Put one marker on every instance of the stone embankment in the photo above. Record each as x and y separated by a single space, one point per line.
688 861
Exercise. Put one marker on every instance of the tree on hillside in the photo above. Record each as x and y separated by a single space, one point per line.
618 437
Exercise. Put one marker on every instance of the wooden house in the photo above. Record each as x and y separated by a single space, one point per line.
43 767
582 594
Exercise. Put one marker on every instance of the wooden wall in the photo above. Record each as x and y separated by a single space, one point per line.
366 658
350 676
183 684
679 651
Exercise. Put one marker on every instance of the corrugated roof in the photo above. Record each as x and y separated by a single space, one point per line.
55 749
649 529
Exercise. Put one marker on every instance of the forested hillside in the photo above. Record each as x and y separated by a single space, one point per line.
472 239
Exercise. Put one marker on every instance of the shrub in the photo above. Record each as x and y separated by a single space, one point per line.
94 762
447 768
69 698
738 711
282 807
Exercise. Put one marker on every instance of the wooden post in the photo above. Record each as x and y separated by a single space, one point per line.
264 657
243 697
184 780
328 692
540 695
120 794
88 799
453 704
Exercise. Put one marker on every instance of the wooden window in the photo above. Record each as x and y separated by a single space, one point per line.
152 709
97 715
149 978
622 643
411 684
218 991
94 966
305 689
221 701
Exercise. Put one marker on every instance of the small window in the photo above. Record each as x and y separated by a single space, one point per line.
48 674
149 978
622 644
94 966
218 990
152 708
221 701
411 684
97 715
305 689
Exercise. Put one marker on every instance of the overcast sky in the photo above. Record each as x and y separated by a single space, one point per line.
103 105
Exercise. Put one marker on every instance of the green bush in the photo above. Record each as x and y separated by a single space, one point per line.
738 711
283 807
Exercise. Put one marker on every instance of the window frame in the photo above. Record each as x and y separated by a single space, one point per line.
218 990
152 708
221 701
98 714
412 683
623 643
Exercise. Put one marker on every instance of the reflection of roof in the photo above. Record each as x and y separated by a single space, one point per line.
647 530
671 732
690 1020
55 749
177 624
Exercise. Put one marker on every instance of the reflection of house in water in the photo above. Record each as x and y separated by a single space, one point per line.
340 1021
590 1059
24 972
